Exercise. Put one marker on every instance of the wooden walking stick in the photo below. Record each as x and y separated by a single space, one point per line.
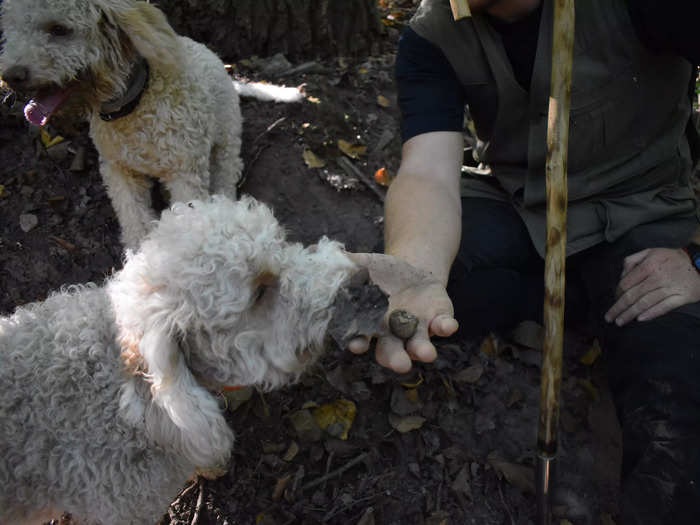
555 257
460 9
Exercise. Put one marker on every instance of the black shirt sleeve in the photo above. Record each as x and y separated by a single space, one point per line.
430 96
668 26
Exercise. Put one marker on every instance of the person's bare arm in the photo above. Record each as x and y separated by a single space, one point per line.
423 228
423 206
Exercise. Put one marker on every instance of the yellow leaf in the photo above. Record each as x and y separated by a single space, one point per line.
414 385
314 100
336 418
312 160
590 389
449 389
351 150
606 519
49 141
412 395
383 101
489 345
593 353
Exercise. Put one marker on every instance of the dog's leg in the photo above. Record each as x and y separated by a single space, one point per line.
131 199
226 168
184 187
225 157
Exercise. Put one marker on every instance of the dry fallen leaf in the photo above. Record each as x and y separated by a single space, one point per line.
292 452
489 345
518 475
312 160
383 101
351 150
461 483
280 486
367 518
47 140
414 384
469 375
68 246
406 423
2 190
336 418
593 353
412 395
606 519
590 389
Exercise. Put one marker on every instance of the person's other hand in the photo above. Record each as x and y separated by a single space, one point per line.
654 282
416 292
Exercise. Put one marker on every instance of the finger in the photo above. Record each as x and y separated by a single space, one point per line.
443 326
359 345
633 260
421 350
391 354
629 280
661 308
419 346
640 305
627 298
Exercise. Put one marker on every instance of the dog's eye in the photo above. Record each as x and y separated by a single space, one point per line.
258 294
59 30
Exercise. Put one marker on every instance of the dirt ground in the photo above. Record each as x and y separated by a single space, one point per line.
450 443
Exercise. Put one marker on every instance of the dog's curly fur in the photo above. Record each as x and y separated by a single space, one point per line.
106 396
186 128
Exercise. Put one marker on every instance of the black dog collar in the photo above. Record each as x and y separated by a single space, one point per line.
122 106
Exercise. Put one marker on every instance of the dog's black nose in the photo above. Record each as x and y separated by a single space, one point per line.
17 77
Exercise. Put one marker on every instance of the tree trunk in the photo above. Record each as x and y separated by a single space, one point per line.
298 29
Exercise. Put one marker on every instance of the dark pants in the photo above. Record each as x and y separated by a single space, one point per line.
653 366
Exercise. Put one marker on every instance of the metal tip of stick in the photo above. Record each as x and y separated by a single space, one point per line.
544 483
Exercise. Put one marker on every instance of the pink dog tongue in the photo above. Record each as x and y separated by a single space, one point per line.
39 110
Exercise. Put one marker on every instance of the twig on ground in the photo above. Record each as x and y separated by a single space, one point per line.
200 500
249 165
336 472
343 507
505 505
328 468
184 492
269 128
351 169
306 67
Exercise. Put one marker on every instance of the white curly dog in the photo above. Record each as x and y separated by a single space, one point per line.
106 393
160 106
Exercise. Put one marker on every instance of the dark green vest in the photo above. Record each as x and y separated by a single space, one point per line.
628 161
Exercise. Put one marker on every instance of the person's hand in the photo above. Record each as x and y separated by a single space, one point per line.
654 282
416 292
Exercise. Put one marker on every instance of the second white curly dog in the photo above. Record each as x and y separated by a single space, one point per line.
160 106
106 403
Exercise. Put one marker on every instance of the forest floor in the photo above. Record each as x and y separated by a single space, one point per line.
452 442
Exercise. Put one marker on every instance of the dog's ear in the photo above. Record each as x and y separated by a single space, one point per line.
201 430
150 33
